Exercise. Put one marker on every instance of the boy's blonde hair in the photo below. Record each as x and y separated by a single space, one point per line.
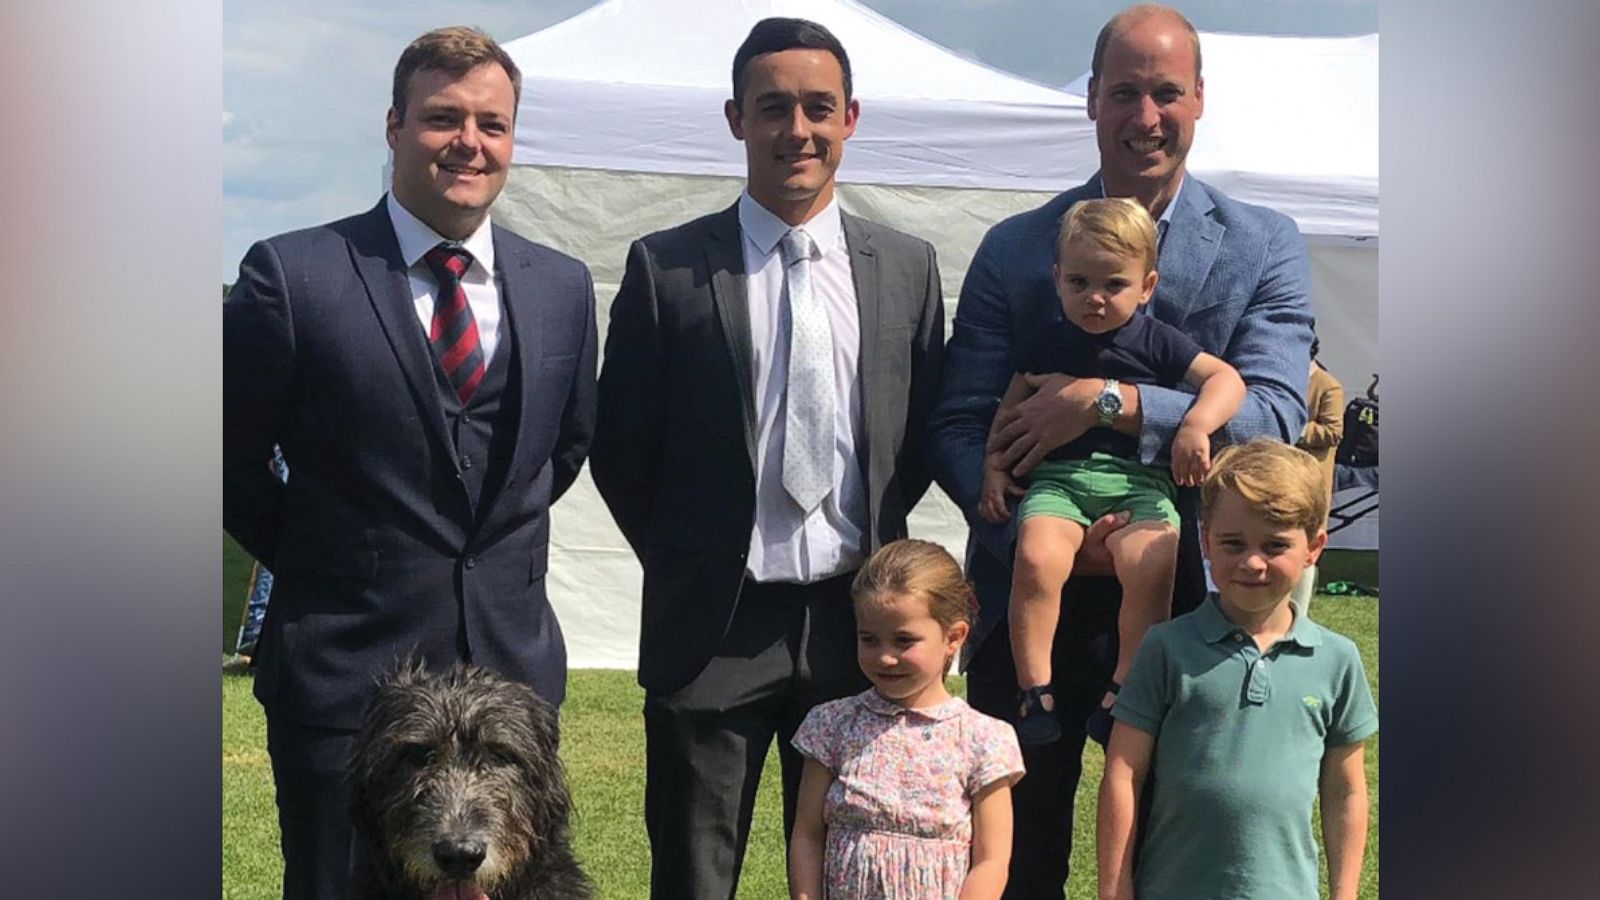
1114 224
921 569
1283 484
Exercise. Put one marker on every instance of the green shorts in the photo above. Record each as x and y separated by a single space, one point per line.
1086 489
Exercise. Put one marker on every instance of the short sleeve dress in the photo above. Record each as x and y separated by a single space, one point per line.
899 811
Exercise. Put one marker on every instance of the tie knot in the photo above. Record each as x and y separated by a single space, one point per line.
796 245
448 260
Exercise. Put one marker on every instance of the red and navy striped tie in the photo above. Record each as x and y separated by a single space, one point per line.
454 334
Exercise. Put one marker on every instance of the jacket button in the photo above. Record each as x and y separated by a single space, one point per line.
470 562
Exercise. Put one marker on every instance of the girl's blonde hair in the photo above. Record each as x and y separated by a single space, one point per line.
920 569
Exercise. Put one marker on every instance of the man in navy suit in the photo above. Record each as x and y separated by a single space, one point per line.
430 378
1234 277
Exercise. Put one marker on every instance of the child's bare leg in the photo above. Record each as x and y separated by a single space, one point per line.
1046 547
1146 558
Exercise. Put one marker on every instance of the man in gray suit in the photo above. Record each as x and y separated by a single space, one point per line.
1234 277
767 379
430 379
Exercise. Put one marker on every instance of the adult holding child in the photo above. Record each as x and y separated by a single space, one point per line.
768 374
1234 277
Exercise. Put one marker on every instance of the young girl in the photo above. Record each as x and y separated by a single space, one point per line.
906 791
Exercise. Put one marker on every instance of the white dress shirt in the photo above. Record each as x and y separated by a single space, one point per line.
483 292
786 544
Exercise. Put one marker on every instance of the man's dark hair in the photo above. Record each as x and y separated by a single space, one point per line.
777 34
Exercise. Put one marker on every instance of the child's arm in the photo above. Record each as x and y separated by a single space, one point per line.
1128 756
1221 395
1343 787
998 484
806 844
991 842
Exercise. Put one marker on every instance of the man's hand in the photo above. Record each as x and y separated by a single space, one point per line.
998 485
1191 456
1060 410
1094 558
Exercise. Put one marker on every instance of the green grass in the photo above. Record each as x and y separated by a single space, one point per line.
603 747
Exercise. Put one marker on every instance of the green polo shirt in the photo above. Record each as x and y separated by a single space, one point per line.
1239 741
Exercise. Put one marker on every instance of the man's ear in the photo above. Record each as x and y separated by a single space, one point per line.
391 125
852 113
1093 105
1200 96
730 111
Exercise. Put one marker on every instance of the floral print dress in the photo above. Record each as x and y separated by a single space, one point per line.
899 811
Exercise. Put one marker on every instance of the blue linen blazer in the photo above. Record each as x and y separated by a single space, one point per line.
1234 277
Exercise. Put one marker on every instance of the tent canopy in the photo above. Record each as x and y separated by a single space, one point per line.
624 86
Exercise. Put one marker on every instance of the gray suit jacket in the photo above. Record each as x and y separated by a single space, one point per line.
674 449
374 542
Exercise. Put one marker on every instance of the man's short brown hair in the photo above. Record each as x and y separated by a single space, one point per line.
1133 14
1282 484
455 51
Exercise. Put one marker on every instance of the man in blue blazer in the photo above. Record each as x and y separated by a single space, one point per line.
1234 277
430 378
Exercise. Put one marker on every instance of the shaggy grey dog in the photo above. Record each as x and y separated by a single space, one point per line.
458 793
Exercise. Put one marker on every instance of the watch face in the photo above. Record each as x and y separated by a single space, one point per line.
1109 403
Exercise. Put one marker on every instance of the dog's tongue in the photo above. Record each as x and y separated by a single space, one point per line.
461 890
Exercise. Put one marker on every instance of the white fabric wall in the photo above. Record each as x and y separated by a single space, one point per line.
594 581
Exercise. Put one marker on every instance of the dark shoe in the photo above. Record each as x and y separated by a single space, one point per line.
1036 720
1098 725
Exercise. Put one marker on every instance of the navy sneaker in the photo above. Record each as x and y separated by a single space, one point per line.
1036 719
1098 725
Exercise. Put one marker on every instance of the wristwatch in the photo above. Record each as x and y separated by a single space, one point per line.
1109 403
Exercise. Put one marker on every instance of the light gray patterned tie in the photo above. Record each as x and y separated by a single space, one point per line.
808 420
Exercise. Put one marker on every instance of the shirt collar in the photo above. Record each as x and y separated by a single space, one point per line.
416 238
1166 214
763 229
877 703
1215 627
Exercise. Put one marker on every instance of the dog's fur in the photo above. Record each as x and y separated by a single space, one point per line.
457 791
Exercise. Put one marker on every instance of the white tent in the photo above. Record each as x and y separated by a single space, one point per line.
620 132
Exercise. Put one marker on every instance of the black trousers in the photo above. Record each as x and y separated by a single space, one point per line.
788 648
1082 659
309 772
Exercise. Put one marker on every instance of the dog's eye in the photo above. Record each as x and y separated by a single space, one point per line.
501 755
414 755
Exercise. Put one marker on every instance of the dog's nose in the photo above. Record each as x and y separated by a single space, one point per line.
458 857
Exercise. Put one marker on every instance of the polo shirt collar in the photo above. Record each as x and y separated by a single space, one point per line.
764 230
1215 627
877 703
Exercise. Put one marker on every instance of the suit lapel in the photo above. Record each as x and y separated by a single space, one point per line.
376 255
725 262
520 301
1187 252
864 276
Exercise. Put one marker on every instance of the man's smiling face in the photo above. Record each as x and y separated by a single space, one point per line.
452 146
794 122
1144 104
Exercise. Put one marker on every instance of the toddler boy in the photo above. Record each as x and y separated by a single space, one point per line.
1105 271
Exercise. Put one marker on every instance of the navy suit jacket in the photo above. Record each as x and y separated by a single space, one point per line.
675 449
374 544
1234 277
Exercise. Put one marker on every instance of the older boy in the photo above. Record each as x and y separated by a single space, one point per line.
1105 273
1242 711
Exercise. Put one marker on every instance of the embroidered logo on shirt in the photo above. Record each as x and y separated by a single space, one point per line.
1311 702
